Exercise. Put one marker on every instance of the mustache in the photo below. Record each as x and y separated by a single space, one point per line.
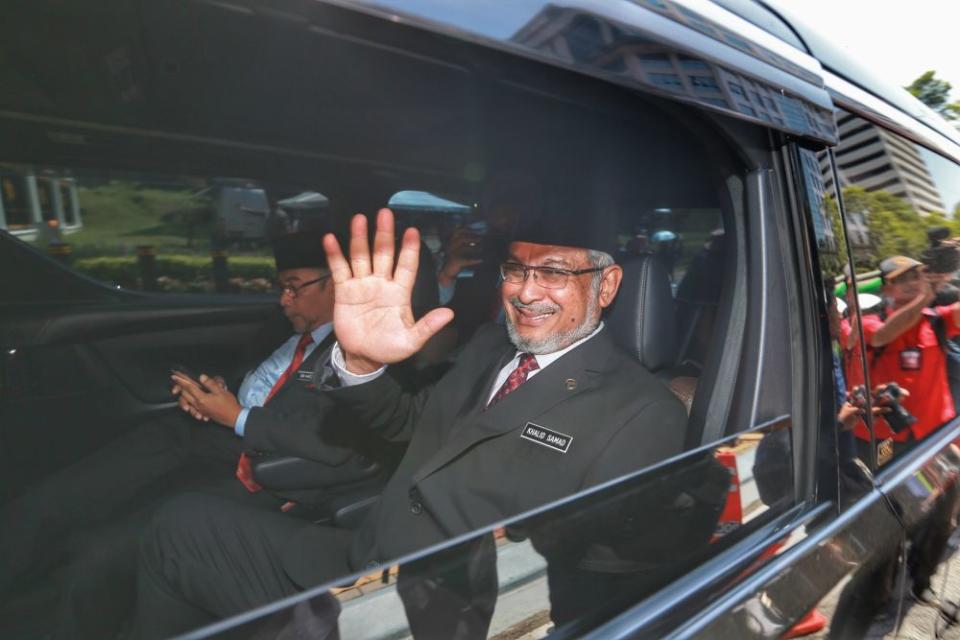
534 307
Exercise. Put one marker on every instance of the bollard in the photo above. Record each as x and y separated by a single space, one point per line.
221 272
147 260
60 251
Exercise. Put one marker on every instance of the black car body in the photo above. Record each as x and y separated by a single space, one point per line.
734 147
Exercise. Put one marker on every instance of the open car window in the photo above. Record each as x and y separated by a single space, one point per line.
560 517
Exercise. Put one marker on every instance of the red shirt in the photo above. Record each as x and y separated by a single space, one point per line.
852 367
923 375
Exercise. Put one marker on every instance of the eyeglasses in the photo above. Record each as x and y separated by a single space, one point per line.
546 277
293 290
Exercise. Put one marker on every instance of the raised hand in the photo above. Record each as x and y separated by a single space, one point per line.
372 316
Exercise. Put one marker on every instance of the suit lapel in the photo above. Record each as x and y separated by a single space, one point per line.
538 395
476 399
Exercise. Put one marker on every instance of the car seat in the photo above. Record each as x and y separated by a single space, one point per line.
642 320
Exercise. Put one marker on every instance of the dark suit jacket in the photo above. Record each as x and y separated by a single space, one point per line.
467 467
302 423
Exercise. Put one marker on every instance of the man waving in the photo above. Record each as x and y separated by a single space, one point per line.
530 413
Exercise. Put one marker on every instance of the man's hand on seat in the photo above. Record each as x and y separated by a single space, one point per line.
212 401
372 315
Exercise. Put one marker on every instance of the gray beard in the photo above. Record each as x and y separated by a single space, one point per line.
557 341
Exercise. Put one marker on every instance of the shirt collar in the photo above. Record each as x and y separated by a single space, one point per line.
320 333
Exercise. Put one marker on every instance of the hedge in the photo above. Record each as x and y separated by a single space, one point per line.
181 272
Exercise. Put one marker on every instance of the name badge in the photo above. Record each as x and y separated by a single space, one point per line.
911 359
541 435
304 376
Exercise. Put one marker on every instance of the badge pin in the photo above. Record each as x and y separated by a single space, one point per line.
571 384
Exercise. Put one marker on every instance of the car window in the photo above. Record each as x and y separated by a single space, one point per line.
157 233
845 420
900 202
578 553
682 441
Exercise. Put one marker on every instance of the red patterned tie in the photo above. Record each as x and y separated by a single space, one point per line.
244 468
528 363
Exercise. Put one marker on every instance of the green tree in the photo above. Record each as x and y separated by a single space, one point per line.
830 261
895 227
935 93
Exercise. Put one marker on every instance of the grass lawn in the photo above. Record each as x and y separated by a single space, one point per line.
119 216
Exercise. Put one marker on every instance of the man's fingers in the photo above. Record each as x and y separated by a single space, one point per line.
383 241
339 267
210 385
359 246
430 324
184 383
409 260
190 396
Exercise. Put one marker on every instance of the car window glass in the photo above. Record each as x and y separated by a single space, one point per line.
679 443
561 570
578 561
901 202
155 232
849 416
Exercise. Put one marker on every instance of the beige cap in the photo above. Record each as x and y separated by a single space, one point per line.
897 265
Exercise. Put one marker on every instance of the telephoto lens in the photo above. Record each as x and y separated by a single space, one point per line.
943 258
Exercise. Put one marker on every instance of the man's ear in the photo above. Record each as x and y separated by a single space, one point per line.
609 285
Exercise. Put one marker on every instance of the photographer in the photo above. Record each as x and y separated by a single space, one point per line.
905 348
942 261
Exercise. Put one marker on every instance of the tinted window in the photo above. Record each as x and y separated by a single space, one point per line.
844 370
157 232
604 502
901 202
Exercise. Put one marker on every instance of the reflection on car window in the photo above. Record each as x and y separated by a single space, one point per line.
901 202
851 410
639 205
157 233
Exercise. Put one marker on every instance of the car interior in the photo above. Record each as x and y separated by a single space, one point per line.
84 361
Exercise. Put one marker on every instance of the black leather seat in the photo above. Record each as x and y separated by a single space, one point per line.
642 317
643 321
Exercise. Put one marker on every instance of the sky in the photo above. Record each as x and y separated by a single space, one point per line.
902 43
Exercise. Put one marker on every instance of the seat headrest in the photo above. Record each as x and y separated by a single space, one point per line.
641 319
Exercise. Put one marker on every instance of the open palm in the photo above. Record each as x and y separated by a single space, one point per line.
372 316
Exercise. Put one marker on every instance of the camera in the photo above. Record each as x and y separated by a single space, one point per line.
889 397
943 255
